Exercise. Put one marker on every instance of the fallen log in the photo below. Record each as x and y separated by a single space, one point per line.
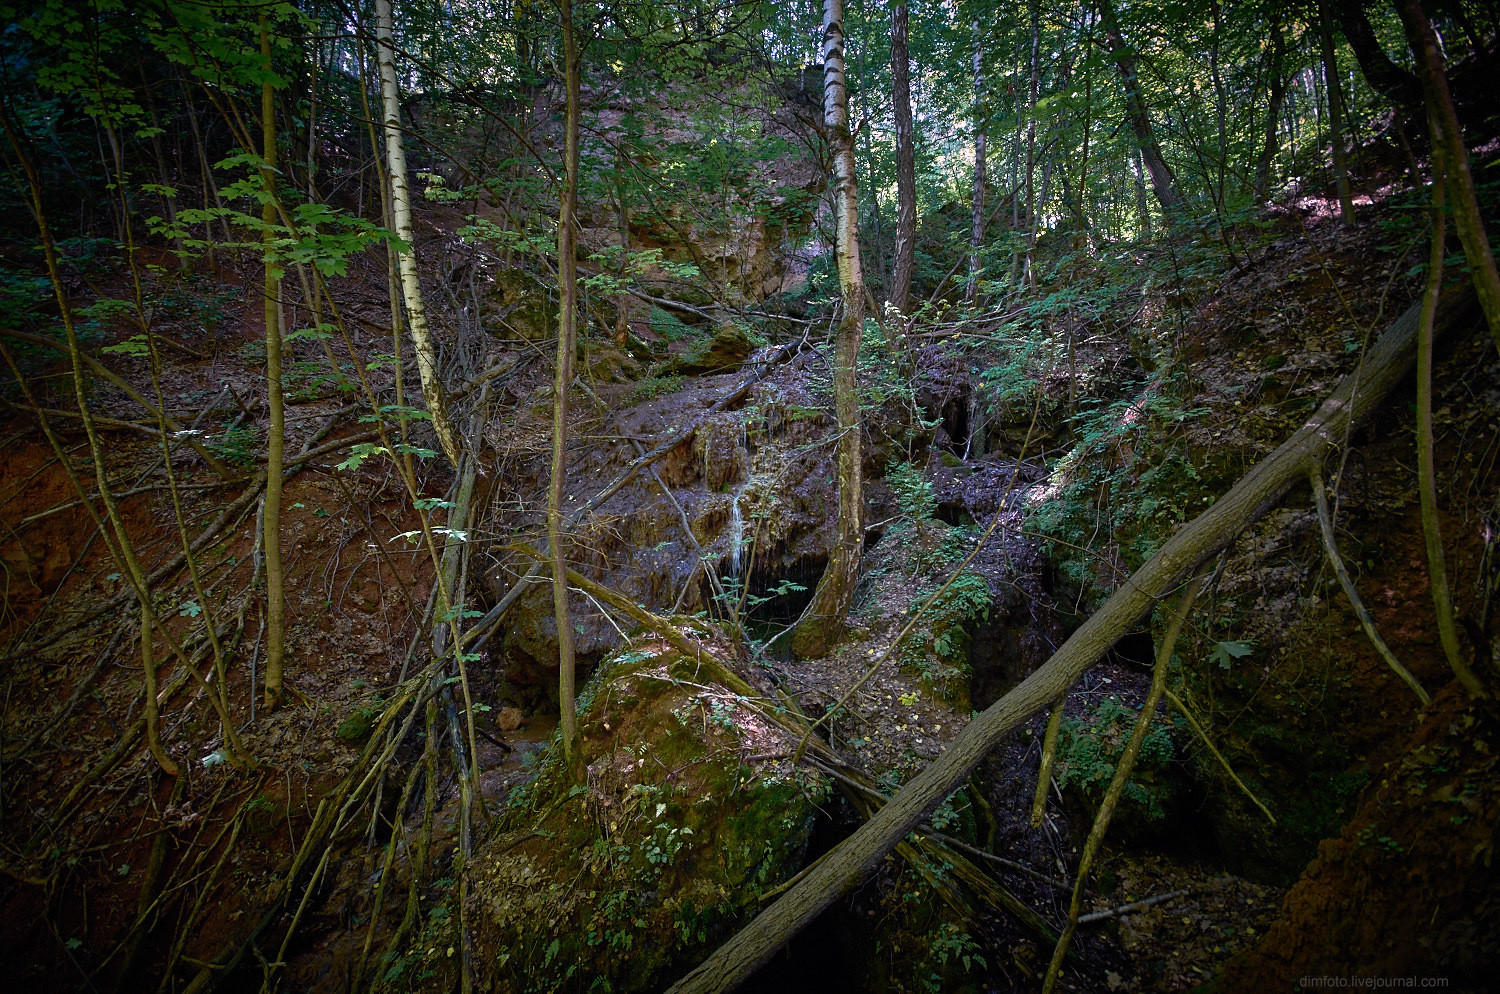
1357 396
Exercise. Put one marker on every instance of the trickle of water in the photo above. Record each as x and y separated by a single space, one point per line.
737 535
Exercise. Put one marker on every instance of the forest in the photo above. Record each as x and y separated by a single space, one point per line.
701 495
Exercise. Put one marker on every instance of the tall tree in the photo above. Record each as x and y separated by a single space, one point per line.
1163 183
1335 112
906 179
1442 122
1388 79
276 434
567 336
821 622
976 230
411 286
1279 81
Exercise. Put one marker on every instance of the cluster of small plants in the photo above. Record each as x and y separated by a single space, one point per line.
935 650
1088 753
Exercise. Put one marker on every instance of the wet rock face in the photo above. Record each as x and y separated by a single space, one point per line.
515 304
681 818
751 484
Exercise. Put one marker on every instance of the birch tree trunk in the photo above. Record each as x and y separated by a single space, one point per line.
976 232
1442 121
906 181
1163 183
411 287
820 624
567 333
276 433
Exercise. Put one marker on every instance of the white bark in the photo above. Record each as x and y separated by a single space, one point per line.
411 288
823 620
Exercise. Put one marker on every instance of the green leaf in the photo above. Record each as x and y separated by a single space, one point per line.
359 453
189 609
1225 653
134 346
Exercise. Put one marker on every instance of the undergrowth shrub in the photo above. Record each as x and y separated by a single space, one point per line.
936 650
1088 753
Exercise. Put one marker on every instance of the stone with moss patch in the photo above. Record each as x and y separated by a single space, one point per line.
684 811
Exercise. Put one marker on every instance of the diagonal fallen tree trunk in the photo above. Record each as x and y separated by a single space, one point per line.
1386 363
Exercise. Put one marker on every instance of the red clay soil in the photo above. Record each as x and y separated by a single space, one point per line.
1408 888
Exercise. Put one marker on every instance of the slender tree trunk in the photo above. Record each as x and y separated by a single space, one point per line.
1335 116
416 314
1437 570
976 232
567 332
312 117
906 178
1442 121
821 623
622 301
1080 200
1031 98
1163 183
1279 82
275 589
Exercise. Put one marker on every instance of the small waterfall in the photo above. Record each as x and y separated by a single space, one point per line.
736 534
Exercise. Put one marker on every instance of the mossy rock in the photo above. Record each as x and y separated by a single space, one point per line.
723 351
519 305
356 727
677 822
606 364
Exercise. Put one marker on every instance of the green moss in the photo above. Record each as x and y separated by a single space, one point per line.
661 848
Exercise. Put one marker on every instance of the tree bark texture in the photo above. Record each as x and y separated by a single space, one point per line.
820 624
1163 183
1335 116
411 287
906 170
976 232
567 334
1387 362
1442 121
276 433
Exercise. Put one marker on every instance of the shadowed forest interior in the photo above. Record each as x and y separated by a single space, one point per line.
534 495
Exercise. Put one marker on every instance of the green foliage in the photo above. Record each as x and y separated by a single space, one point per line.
936 649
1225 653
913 492
235 445
652 387
667 325
1088 752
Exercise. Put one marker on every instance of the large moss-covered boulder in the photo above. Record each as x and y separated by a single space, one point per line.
725 349
683 813
516 304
